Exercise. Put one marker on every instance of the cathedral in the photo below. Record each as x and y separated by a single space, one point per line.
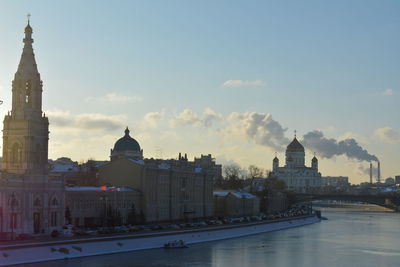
30 202
295 174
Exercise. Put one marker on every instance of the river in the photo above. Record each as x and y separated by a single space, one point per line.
350 237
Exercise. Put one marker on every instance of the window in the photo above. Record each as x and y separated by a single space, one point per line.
36 203
54 202
13 220
53 218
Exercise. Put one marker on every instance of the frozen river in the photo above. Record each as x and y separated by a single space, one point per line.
348 238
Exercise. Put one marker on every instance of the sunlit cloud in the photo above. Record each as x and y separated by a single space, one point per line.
115 98
388 135
189 117
86 121
243 83
152 118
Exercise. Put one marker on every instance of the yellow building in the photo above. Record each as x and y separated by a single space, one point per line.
30 201
175 189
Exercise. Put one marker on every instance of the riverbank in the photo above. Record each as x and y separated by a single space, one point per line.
48 251
356 207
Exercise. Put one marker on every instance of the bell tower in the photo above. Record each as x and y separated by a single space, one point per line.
26 130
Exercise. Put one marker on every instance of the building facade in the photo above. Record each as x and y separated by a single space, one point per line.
174 189
295 174
30 202
335 181
90 206
235 204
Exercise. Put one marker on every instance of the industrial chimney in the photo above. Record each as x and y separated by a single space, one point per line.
378 177
370 173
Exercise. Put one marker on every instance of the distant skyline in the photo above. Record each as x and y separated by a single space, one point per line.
230 78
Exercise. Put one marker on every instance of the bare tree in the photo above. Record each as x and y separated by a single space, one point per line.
254 172
232 176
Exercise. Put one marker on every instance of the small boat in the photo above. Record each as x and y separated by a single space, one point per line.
176 244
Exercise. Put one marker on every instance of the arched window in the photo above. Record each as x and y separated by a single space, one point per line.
37 202
12 201
54 201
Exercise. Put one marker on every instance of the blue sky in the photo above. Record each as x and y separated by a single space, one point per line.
326 65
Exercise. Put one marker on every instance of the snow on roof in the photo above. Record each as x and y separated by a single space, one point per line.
64 168
164 166
221 194
238 194
243 194
99 189
141 162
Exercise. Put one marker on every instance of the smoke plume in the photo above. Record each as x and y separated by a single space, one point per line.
329 147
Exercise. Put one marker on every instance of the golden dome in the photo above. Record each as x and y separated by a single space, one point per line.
28 29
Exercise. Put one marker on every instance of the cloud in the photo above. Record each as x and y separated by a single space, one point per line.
261 128
329 147
189 117
242 83
152 118
86 121
388 135
115 98
209 116
388 92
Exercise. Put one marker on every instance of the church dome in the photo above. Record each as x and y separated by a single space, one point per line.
126 143
295 146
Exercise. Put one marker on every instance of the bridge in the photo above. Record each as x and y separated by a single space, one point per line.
387 200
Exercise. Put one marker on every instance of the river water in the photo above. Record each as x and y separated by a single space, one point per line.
350 237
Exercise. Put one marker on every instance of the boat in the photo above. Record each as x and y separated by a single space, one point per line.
176 244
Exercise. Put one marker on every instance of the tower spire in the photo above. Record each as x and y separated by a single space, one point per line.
28 154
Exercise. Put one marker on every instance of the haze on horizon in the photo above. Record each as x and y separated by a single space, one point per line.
231 79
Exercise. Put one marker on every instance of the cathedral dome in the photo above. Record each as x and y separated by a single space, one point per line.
126 143
295 146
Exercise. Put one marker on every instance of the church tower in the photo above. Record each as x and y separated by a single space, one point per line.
314 163
275 163
26 130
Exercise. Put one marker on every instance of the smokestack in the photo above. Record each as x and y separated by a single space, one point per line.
370 173
379 172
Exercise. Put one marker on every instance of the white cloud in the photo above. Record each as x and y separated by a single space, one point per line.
388 135
242 83
388 92
189 117
86 121
209 116
152 118
115 98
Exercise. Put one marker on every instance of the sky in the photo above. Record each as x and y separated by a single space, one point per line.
233 79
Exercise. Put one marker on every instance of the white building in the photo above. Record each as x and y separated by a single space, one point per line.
295 174
335 181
